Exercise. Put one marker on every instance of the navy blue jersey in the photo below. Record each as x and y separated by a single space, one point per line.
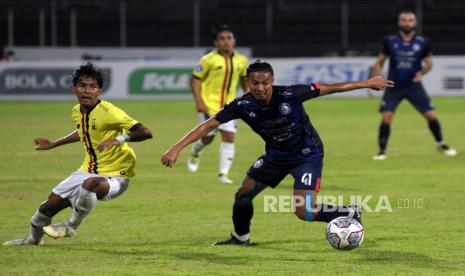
283 123
405 58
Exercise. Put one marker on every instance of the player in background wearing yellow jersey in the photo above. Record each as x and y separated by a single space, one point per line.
214 84
104 131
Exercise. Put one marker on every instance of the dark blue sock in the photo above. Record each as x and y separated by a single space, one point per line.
242 215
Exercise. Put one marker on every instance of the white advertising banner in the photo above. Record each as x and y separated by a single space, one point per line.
446 78
170 78
52 79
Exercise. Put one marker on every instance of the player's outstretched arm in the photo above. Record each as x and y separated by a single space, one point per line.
45 144
137 133
169 157
376 83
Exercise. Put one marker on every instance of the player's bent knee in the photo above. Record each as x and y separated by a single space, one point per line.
45 210
228 137
49 208
206 140
303 214
92 183
430 115
387 117
300 213
242 199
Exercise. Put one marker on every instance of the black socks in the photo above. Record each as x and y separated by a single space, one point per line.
384 131
435 128
242 215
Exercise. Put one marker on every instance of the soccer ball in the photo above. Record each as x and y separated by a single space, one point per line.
344 233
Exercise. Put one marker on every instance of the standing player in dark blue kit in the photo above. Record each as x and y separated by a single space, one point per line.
409 59
293 146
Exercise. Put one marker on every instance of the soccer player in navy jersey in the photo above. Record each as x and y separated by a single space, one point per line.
409 59
293 146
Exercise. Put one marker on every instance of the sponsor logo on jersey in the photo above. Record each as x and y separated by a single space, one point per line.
258 163
285 108
199 68
93 126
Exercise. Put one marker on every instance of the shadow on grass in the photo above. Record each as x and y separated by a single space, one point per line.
286 250
413 259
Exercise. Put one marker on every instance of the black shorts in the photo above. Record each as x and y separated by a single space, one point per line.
307 174
416 96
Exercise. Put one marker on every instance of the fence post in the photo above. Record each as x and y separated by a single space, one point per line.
345 24
122 24
11 27
53 25
42 34
419 13
73 27
196 23
269 21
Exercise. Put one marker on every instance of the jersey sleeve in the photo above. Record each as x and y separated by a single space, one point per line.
305 92
228 113
120 119
201 70
386 48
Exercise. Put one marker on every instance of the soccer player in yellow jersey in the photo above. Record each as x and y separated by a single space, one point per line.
104 131
214 84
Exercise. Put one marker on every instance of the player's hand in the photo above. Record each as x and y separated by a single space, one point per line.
417 77
43 143
201 107
379 83
169 157
108 144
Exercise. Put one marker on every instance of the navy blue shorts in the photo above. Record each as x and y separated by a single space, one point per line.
416 96
307 174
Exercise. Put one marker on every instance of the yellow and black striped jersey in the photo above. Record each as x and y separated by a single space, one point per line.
219 76
105 121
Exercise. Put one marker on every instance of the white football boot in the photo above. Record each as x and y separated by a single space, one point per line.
446 150
59 230
223 179
380 156
193 163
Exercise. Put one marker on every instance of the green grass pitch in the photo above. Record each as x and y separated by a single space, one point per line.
166 220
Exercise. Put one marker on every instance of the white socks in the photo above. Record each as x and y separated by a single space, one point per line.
226 157
84 205
38 221
226 154
242 238
197 147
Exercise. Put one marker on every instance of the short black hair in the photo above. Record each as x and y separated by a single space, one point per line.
88 70
260 66
406 11
216 30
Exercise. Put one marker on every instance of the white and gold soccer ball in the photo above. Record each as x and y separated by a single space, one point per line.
345 233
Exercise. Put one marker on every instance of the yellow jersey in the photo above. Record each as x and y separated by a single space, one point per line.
105 121
219 76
